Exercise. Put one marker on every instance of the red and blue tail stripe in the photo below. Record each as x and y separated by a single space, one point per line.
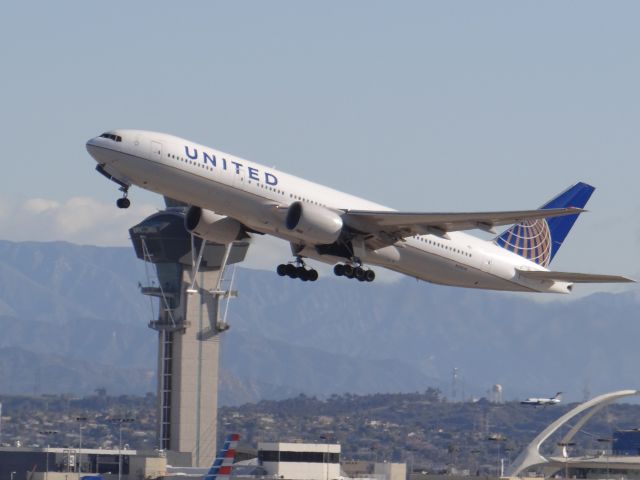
222 465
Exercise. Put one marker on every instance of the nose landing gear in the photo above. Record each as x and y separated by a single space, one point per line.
124 202
298 270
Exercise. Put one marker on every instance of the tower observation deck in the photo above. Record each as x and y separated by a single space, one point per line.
188 325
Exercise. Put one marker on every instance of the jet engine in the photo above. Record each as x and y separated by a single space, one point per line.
211 226
313 224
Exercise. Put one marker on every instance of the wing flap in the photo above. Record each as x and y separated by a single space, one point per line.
574 277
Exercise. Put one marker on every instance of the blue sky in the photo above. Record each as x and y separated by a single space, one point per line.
423 106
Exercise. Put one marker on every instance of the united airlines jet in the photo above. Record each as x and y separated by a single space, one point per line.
230 198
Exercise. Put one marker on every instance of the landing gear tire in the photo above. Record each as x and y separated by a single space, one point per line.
302 274
349 271
123 202
292 271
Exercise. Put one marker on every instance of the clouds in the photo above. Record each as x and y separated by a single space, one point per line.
40 205
80 220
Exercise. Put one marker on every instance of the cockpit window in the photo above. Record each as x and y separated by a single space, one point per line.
111 136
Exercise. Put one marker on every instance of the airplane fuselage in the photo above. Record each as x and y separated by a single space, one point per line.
258 197
540 401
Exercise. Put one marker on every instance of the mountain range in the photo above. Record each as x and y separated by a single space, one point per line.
73 320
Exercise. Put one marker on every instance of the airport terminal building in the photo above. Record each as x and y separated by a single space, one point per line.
274 460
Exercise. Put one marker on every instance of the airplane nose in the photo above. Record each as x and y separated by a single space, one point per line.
91 146
99 152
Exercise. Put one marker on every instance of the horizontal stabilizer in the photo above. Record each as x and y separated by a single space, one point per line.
573 277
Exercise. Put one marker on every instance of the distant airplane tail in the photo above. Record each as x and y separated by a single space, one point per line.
558 396
221 468
539 240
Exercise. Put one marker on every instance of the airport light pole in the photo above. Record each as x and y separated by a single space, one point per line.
452 449
80 421
475 452
499 439
507 450
411 458
120 421
607 452
565 455
48 433
12 474
325 456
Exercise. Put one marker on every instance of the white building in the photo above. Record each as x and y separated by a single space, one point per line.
300 461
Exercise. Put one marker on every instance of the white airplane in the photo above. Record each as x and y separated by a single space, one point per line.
231 198
543 401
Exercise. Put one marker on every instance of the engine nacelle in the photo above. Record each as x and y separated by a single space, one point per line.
313 224
211 226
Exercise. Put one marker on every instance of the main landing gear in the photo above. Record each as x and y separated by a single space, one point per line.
359 273
124 202
298 270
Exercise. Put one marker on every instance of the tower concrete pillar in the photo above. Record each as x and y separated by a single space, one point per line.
189 328
195 371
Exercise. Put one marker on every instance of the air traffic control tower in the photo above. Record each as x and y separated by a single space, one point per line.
189 325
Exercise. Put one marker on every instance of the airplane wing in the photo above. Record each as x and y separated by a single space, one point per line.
388 226
574 277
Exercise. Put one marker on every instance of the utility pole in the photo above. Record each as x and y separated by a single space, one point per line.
80 421
48 433
120 421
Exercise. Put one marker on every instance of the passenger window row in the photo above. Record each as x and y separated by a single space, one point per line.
442 245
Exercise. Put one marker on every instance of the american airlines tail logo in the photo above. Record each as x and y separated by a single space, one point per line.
530 239
223 464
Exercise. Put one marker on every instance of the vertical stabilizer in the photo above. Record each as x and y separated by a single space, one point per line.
221 468
539 240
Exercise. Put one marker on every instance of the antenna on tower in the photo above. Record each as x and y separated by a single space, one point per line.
455 374
586 390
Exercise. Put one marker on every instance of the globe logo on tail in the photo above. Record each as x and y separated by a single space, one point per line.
530 239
